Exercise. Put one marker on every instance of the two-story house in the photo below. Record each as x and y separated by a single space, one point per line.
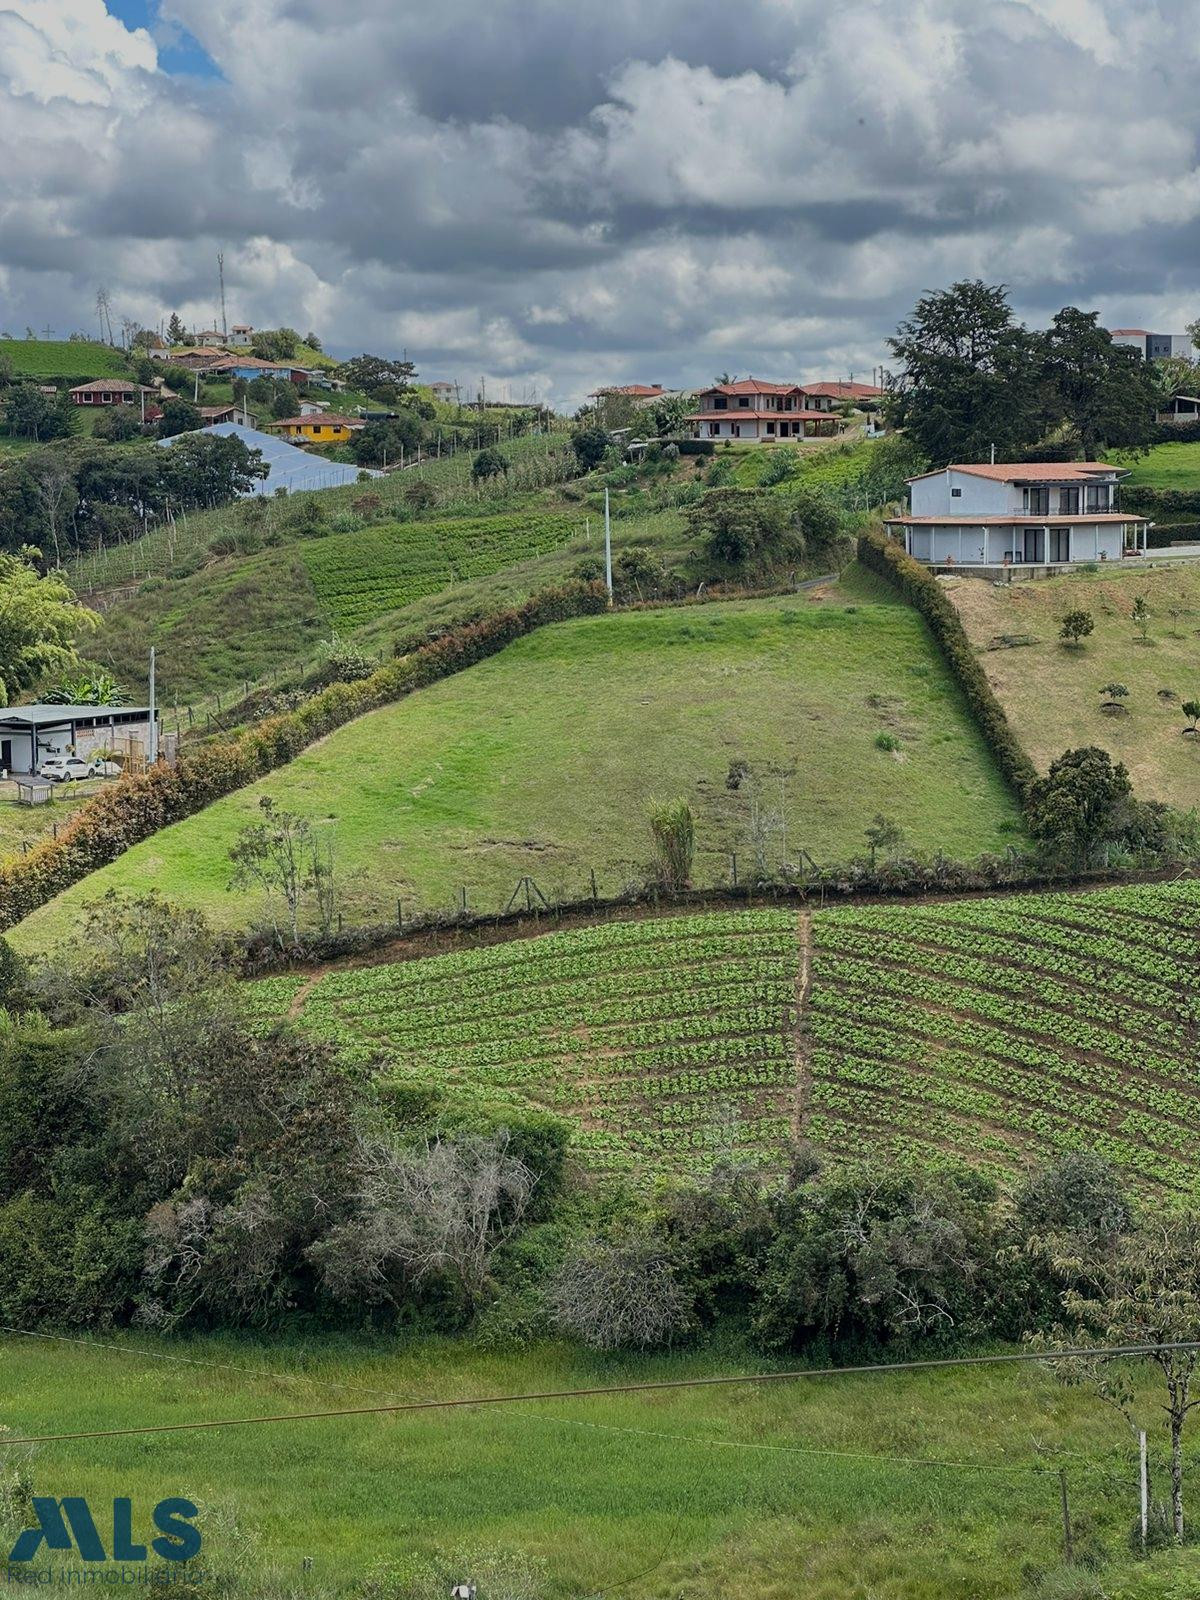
751 408
1005 514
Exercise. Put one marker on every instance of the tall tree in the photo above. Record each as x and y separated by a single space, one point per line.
1106 392
39 620
971 375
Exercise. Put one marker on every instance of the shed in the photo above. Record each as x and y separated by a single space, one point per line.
28 734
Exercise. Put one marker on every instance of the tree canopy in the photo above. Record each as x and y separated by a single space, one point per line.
40 619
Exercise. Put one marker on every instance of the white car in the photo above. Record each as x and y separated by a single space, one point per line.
63 769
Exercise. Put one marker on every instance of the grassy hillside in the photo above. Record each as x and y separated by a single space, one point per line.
760 1491
1165 466
545 758
62 358
1051 691
991 1033
242 616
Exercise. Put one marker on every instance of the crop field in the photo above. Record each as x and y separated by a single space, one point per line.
991 1032
1051 691
663 1042
545 759
359 576
62 358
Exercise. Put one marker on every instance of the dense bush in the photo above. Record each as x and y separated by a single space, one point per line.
922 590
133 809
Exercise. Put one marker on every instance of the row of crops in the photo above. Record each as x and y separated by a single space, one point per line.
997 1032
361 575
994 1033
664 1042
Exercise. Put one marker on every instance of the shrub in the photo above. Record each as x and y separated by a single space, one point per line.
922 590
673 830
1076 626
620 1294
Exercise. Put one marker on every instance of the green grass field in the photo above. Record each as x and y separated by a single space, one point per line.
62 358
1051 691
1165 466
937 1486
545 759
991 1033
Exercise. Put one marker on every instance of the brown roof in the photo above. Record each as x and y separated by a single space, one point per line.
1140 333
1011 518
1027 471
836 390
111 386
752 386
639 391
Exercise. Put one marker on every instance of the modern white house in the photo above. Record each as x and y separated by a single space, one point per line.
1043 514
1154 346
28 734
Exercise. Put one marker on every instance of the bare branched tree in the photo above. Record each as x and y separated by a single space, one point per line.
619 1294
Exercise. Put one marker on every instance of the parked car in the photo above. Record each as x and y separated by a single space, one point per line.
64 769
105 767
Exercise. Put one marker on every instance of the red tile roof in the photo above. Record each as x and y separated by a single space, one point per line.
1139 333
638 391
752 386
836 390
111 386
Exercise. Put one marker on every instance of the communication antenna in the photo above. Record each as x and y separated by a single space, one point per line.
221 276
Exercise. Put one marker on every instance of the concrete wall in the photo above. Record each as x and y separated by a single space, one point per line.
934 497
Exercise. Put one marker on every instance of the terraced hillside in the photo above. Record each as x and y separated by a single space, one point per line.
990 1033
663 1041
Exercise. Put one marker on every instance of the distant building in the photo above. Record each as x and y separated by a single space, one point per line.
644 394
321 428
109 392
195 356
1154 346
287 467
836 392
211 415
752 408
1005 514
28 734
250 367
441 390
241 335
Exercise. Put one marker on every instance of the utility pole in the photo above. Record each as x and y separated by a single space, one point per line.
153 714
221 276
607 548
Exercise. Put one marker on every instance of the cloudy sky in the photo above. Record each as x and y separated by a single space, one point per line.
556 193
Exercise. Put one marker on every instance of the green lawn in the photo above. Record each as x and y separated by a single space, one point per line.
545 759
80 359
1051 691
1165 466
762 1492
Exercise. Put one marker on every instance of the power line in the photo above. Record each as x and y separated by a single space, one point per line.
1092 1352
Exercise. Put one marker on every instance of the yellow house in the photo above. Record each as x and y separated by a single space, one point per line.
319 428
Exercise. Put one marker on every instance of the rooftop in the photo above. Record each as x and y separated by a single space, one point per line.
1028 471
638 391
318 419
41 715
835 389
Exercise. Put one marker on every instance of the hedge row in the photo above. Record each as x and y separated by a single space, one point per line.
137 807
1179 504
922 590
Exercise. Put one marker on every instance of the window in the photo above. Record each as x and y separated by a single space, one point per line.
1038 501
770 427
1068 501
744 400
1098 497
956 494
720 403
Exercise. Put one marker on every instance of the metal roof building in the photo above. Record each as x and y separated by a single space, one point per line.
291 469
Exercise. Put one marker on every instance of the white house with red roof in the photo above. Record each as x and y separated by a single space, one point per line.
1018 514
752 408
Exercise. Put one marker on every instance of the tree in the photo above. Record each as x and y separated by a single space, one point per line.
118 425
176 332
29 414
388 440
313 343
669 415
378 376
1081 803
971 376
1116 692
39 621
275 344
883 834
54 483
744 527
1191 710
673 830
93 687
589 445
1106 392
1140 616
489 463
179 416
276 854
208 469
1143 1290
1075 627
441 1212
620 1294
420 495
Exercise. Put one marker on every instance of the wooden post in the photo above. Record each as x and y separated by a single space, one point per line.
592 875
1143 1486
733 868
1068 1542
400 913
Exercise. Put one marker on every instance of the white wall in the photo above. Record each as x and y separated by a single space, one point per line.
931 497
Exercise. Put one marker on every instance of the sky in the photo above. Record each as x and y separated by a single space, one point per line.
548 195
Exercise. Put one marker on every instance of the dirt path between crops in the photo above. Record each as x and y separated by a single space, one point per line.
803 989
